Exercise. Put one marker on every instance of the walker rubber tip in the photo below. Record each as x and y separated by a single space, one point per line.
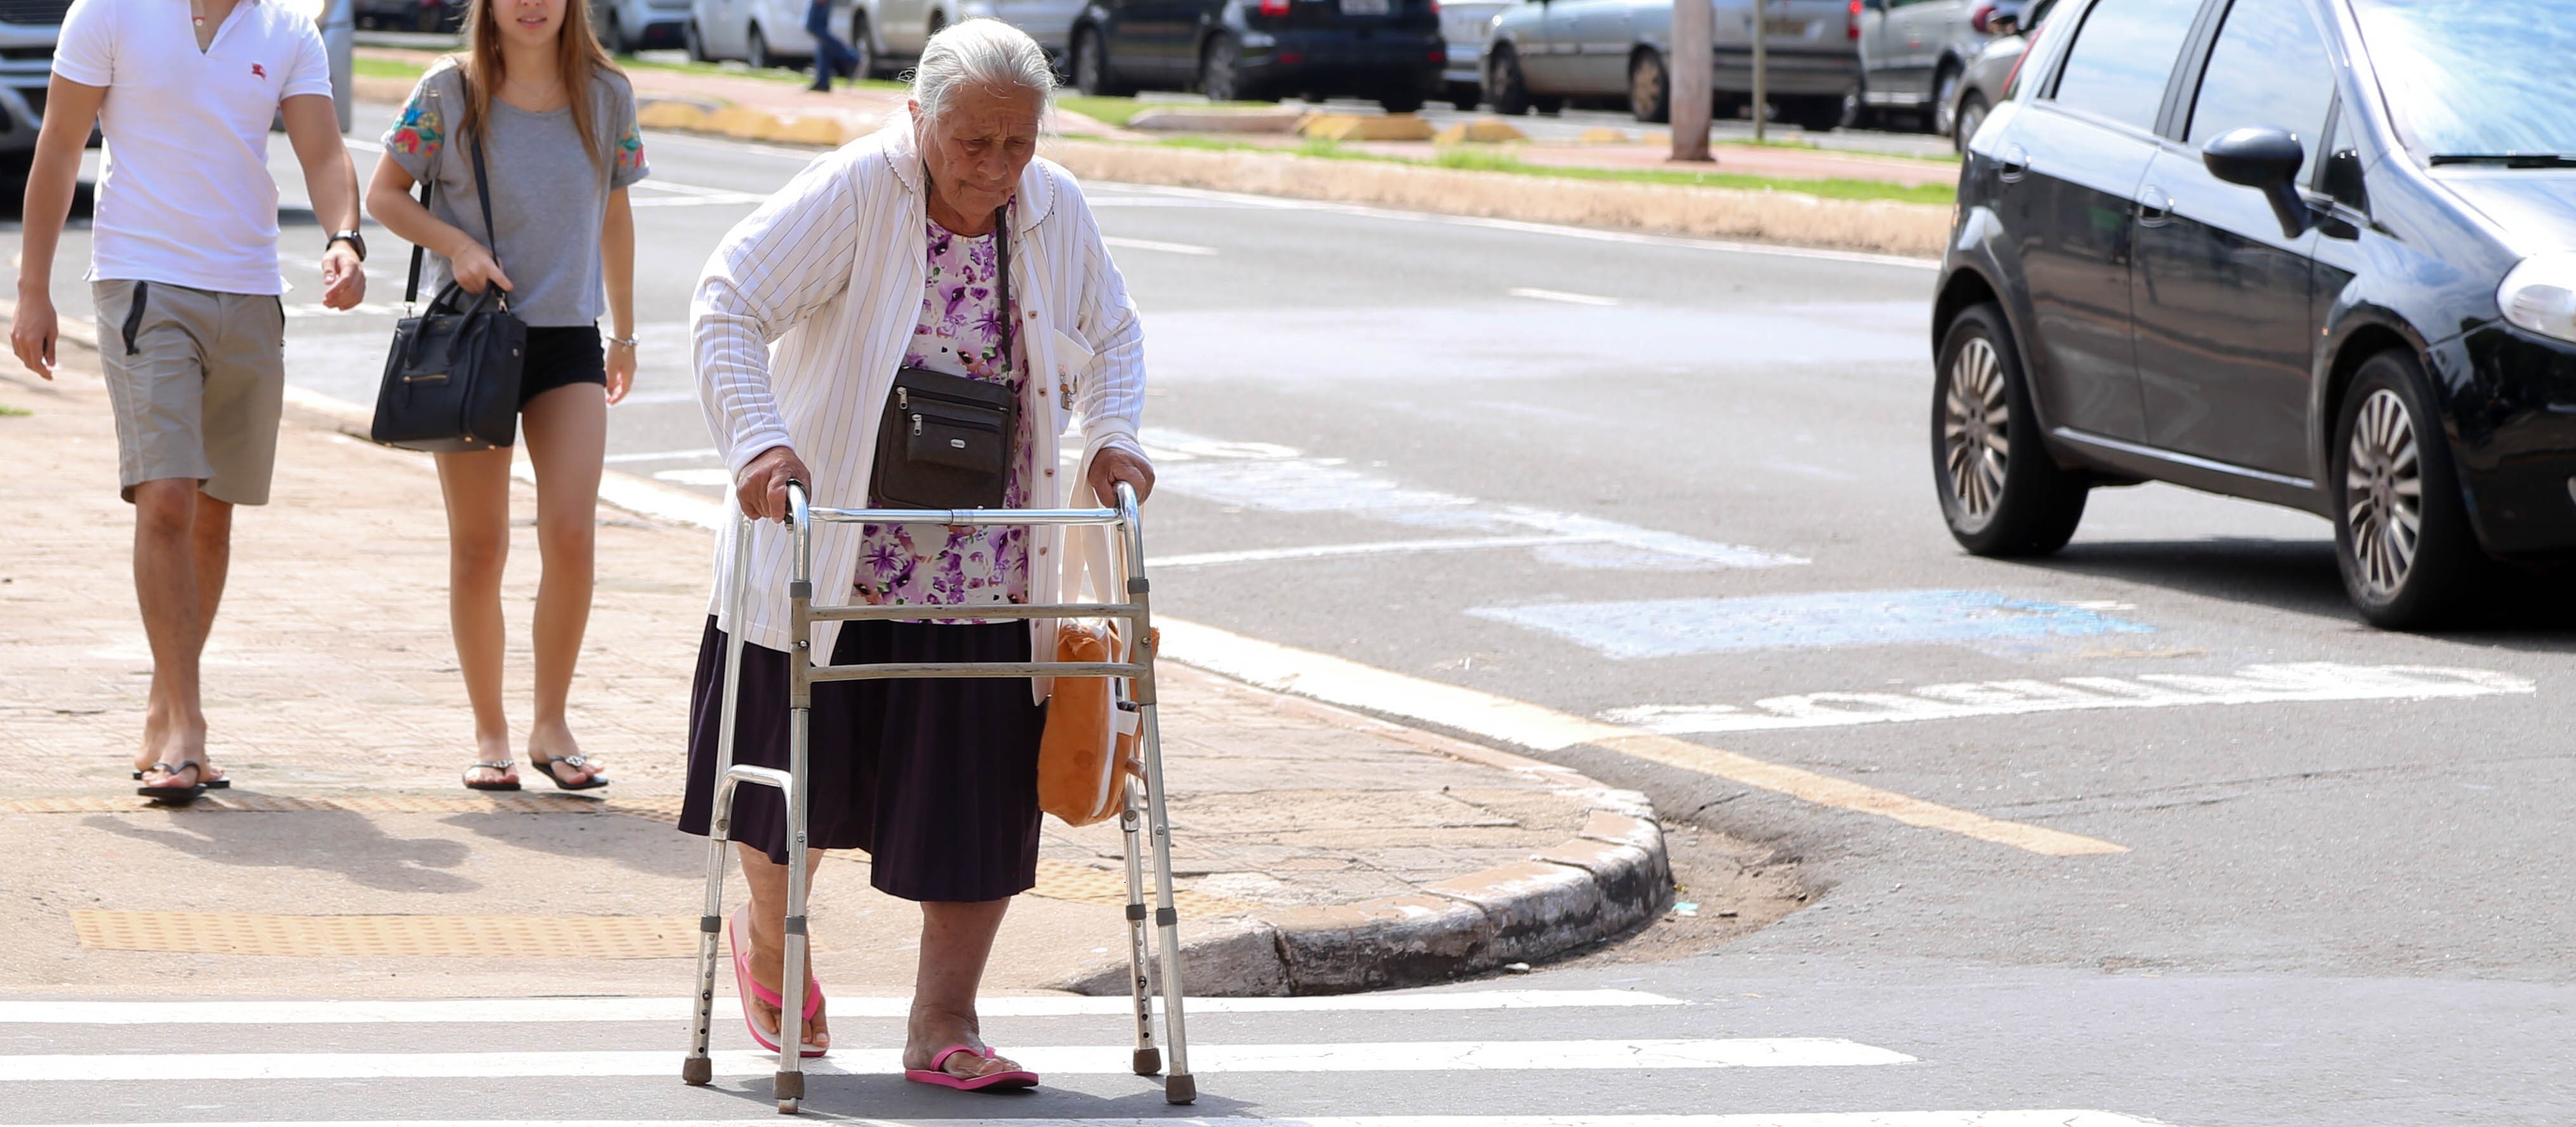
1149 1061
1180 1090
786 1107
697 1071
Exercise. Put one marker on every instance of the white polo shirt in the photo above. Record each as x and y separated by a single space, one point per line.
186 197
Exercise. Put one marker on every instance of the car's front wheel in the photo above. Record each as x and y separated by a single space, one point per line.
2001 493
755 50
1650 91
1505 87
1221 71
2402 537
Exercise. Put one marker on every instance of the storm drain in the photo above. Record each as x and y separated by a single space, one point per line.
241 933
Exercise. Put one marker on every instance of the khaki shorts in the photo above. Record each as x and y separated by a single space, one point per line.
196 379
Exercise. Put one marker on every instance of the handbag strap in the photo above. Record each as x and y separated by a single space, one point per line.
1002 266
482 192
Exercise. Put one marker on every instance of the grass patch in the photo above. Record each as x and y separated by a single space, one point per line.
1480 159
737 70
7 411
1812 147
1117 112
365 66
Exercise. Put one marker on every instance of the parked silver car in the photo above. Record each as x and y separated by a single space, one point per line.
1913 53
889 34
1545 52
628 26
1464 26
1987 80
763 33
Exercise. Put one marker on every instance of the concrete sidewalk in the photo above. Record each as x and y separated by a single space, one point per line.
1319 850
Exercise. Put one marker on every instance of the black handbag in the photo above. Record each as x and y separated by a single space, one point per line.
945 442
452 378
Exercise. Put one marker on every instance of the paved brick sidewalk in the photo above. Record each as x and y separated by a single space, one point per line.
333 700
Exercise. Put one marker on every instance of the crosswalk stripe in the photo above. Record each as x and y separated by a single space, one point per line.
2030 1118
501 1010
1075 1060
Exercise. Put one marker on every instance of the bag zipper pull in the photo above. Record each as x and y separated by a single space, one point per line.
916 424
902 400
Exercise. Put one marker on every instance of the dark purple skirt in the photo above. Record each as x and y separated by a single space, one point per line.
937 780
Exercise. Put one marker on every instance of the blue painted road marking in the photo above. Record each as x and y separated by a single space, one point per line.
1681 627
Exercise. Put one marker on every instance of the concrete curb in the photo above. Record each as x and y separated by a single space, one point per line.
1877 226
1611 877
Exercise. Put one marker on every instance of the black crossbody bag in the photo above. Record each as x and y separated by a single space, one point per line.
452 378
945 442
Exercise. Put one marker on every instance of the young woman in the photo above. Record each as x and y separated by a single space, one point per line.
555 120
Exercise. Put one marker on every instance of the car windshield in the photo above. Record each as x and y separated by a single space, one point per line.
2477 81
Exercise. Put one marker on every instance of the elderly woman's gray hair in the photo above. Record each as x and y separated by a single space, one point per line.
978 54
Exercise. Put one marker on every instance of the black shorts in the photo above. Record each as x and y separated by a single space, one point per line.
560 356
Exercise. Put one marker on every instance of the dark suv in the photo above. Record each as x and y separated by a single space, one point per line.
1261 50
2320 253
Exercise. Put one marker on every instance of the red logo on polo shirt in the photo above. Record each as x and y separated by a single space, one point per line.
258 71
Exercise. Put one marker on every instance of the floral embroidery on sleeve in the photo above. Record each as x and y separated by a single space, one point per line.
420 132
630 151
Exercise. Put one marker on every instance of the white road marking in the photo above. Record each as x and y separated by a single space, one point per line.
1267 476
661 456
1378 548
1070 1060
1353 685
502 1010
1535 294
696 475
1152 244
2033 1118
2253 684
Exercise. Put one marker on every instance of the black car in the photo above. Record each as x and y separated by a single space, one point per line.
2320 253
1262 50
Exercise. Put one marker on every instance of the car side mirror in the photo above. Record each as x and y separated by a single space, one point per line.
2267 160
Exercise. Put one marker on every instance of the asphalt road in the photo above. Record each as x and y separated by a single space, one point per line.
1699 479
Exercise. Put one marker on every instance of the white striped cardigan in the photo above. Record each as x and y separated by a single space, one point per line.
801 321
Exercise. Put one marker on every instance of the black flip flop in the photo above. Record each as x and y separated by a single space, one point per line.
546 767
211 784
504 784
175 795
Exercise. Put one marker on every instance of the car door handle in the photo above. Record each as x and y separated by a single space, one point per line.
2155 208
2013 165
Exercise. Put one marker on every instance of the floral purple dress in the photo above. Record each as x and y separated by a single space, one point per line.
960 333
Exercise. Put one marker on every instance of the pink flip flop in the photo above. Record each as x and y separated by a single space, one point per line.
940 1076
747 989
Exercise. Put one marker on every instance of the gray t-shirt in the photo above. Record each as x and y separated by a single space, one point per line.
548 197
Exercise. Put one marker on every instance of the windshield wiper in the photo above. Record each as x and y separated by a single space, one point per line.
2508 160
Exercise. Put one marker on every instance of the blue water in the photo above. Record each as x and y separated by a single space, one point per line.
1681 627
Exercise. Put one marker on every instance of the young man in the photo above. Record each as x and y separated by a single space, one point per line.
184 279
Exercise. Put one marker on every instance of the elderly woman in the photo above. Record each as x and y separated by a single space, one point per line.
886 255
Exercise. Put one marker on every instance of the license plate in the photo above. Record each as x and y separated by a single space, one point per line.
1364 7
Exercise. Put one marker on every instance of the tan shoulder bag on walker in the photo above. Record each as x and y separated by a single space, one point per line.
1089 750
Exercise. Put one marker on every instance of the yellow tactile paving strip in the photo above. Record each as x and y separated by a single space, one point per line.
658 809
241 933
1057 880
1064 880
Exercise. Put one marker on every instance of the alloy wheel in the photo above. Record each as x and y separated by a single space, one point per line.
2383 492
1646 88
1975 433
1945 103
1217 72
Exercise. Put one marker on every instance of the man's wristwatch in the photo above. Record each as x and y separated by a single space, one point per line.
356 241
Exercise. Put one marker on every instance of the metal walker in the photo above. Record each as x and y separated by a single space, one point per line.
1144 797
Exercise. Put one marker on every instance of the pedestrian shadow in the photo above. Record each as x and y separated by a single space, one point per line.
2519 606
639 844
892 1098
330 841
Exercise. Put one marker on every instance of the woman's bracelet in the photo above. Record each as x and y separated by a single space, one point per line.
627 341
